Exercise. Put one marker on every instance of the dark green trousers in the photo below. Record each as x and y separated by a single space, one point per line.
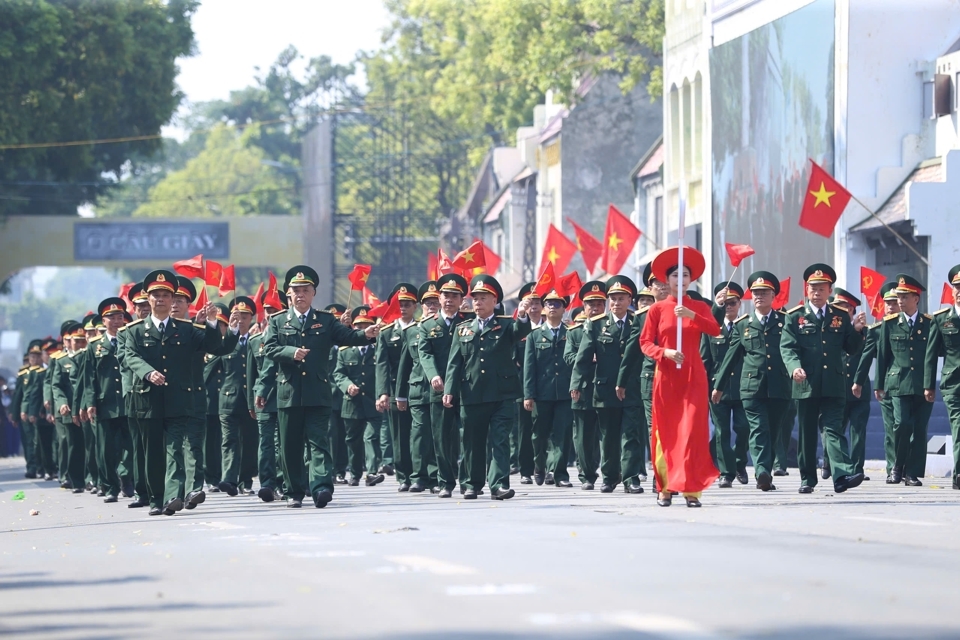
445 425
423 459
486 434
267 466
338 442
174 434
61 448
886 412
910 417
45 448
586 443
400 424
138 461
125 465
552 422
521 442
28 441
764 416
363 446
109 438
811 412
952 403
90 463
856 415
237 443
729 420
306 427
213 450
621 450
249 452
193 442
781 436
75 453
162 439
384 442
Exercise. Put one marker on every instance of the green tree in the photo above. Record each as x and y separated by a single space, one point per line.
83 70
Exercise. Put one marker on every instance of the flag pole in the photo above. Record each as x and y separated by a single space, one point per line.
890 229
727 287
349 296
680 292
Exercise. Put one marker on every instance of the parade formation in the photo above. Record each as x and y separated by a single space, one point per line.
441 391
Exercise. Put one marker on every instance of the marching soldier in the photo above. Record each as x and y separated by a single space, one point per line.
387 360
856 412
862 376
90 457
102 394
586 439
437 333
944 343
413 394
482 373
901 347
546 392
338 432
262 396
240 438
727 412
760 376
28 429
298 344
619 412
521 433
355 374
63 379
213 431
818 376
34 413
159 352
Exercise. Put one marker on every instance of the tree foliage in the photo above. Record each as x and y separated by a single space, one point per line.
83 70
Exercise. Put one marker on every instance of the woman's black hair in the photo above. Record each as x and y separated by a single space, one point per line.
672 270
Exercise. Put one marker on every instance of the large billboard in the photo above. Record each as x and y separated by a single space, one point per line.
772 109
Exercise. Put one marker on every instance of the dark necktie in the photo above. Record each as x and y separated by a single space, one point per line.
763 321
113 342
243 341
910 321
162 325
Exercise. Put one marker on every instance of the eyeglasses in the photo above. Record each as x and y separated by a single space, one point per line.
554 303
732 303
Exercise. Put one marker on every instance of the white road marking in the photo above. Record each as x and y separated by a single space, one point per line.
223 526
647 623
918 523
432 565
326 554
491 590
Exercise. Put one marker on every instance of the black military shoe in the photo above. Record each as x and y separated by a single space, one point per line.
110 499
725 483
228 488
632 486
956 482
781 472
373 480
742 477
214 488
564 483
156 511
910 481
417 487
387 470
294 503
586 486
322 498
265 494
606 488
340 479
539 477
470 494
805 489
765 482
172 507
30 475
502 494
526 480
825 471
514 469
127 490
404 487
549 479
354 481
79 490
445 493
136 504
896 476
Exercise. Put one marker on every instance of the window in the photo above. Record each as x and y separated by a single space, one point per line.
928 92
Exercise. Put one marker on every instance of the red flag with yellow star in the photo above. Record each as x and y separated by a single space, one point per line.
618 241
358 277
824 202
470 258
589 247
558 250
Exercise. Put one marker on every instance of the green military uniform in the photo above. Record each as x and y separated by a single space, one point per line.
213 436
32 406
521 429
586 441
728 415
605 338
64 373
262 383
28 431
546 381
753 368
91 459
814 340
303 390
482 373
163 411
944 342
901 352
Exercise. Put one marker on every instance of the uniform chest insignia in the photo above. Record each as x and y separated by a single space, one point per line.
948 324
780 324
836 323
801 321
746 333
496 328
394 338
316 326
465 331
545 340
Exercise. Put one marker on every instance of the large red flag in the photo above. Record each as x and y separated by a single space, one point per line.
261 316
946 296
200 303
824 202
569 284
272 300
870 282
228 281
387 311
876 305
192 268
433 267
470 258
558 250
359 276
211 273
618 241
271 281
546 282
125 294
491 260
738 252
369 298
590 247
783 298
444 266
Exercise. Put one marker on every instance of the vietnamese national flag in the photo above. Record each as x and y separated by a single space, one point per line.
558 251
618 241
200 303
738 252
228 281
946 296
491 260
387 311
824 202
783 298
433 267
192 268
590 248
569 285
359 276
870 282
546 282
444 266
876 306
470 258
212 272
261 316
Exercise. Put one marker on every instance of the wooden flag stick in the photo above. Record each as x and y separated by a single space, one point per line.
727 287
349 296
680 292
891 230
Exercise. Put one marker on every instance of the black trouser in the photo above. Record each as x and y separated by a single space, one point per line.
109 443
212 453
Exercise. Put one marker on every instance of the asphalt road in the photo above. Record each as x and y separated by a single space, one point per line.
875 562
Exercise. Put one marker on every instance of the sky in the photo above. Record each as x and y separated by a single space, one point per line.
236 36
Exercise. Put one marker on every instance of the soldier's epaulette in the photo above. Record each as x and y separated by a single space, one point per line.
642 311
928 316
939 311
575 325
597 317
199 326
23 371
58 355
427 316
412 325
130 324
874 325
387 326
92 340
796 308
743 317
837 307
342 348
506 317
36 367
891 316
